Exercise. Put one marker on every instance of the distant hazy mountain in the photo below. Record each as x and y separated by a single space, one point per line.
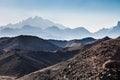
112 32
27 43
76 33
48 30
36 22
48 33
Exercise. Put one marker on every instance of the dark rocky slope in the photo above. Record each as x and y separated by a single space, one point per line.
25 42
38 59
100 62
60 43
17 62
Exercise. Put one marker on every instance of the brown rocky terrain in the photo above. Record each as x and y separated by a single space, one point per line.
17 63
100 62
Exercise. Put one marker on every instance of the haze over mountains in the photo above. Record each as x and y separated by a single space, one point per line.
36 22
38 49
78 40
46 29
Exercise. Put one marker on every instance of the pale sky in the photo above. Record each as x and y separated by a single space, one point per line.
91 14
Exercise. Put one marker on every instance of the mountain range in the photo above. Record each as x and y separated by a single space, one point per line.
39 49
27 57
26 42
36 22
18 53
46 29
99 62
33 43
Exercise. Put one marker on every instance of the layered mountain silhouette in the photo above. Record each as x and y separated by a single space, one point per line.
99 62
36 22
112 32
20 55
39 49
33 43
24 54
46 29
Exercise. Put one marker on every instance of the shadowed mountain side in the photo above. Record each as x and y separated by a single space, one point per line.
20 62
60 43
27 43
37 44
